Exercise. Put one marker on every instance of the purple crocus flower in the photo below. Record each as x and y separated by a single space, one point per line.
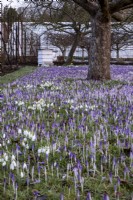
106 197
36 193
61 197
88 196
110 177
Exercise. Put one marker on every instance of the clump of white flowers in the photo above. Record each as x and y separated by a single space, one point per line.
29 135
19 103
83 107
47 84
44 150
4 158
13 164
28 86
40 105
50 85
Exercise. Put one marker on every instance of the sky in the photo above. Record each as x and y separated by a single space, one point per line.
13 3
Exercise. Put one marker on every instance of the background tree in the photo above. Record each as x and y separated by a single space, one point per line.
101 12
120 39
65 17
9 16
60 40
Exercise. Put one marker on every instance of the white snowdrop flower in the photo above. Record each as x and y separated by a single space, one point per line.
27 146
6 157
19 131
12 166
0 145
30 135
39 151
48 151
30 107
41 101
33 138
14 163
25 139
23 144
22 174
3 143
4 135
26 133
64 176
8 141
4 163
13 157
20 103
81 106
25 166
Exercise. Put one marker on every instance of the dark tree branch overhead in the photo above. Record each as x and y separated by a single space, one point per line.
89 6
118 5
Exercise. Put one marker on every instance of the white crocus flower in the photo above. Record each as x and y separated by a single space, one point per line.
5 157
25 166
27 146
13 157
19 131
22 174
13 165
33 138
4 143
23 144
8 141
25 139
44 150
26 133
4 163
20 103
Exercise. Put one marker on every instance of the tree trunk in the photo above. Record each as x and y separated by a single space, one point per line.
64 53
99 58
117 51
73 48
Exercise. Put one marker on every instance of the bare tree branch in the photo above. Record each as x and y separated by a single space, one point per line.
118 5
118 17
89 6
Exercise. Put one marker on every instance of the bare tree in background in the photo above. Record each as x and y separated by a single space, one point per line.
60 40
101 12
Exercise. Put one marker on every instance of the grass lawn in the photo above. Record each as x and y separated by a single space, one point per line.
8 78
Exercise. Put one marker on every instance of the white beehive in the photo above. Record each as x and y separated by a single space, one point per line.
45 57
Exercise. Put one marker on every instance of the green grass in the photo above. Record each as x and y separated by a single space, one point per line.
8 78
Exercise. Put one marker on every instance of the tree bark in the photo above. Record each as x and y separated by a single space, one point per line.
117 51
99 58
73 48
